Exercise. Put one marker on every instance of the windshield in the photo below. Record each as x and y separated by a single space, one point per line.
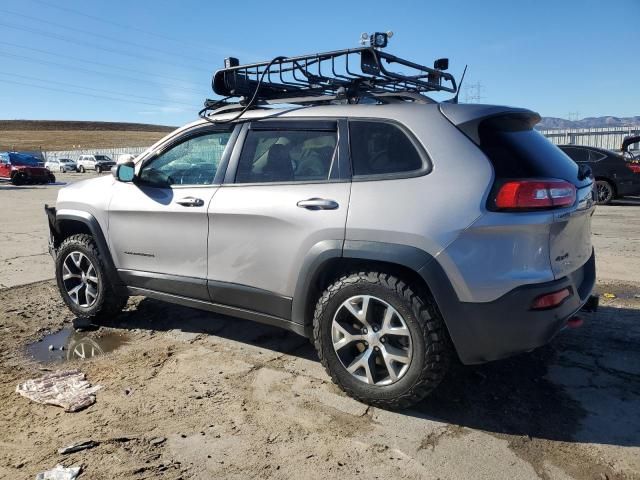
103 158
24 160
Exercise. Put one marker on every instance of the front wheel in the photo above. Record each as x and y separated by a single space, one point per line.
81 169
605 192
379 340
98 169
83 282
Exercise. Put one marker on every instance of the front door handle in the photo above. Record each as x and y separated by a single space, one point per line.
318 204
190 202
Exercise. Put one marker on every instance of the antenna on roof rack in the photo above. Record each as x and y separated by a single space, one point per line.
455 98
337 76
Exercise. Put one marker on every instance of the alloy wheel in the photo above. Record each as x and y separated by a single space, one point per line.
372 340
80 279
604 191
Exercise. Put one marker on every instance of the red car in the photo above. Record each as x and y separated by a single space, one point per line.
20 169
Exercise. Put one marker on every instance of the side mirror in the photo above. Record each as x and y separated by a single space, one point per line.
124 172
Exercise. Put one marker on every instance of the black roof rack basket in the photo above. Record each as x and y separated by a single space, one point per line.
340 74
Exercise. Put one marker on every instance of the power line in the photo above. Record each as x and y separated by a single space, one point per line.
119 25
82 93
93 45
103 74
16 75
98 35
106 65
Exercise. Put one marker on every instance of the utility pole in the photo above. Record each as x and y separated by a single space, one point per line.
573 116
473 92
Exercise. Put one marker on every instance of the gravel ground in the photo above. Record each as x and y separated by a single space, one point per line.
194 395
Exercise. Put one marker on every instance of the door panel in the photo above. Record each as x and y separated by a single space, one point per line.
150 231
259 236
158 224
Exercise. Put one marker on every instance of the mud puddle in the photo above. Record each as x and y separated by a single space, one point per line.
69 344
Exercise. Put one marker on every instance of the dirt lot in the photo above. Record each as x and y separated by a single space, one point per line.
196 396
58 135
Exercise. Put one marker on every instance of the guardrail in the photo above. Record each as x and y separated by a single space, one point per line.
75 154
605 137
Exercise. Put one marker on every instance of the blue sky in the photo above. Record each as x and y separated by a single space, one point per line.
151 61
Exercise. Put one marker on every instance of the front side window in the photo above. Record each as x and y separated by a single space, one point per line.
286 156
379 148
194 161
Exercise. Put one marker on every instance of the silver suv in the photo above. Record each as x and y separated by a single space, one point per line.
396 236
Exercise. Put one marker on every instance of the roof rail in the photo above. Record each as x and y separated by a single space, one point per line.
348 75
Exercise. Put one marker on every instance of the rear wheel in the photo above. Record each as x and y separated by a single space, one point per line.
61 169
98 169
605 192
81 169
380 341
82 280
52 178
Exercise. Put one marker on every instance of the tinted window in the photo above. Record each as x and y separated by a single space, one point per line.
379 148
286 156
192 162
516 150
577 154
595 156
103 158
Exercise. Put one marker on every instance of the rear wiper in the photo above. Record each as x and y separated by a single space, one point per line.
584 171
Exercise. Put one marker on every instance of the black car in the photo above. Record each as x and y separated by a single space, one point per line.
615 176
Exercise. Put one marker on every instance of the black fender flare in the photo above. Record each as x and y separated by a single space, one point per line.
413 258
96 232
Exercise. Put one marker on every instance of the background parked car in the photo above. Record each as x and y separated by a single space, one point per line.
615 176
99 163
627 151
20 168
60 165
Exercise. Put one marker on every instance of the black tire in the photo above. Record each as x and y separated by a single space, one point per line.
19 179
61 169
98 169
52 178
605 192
108 302
432 349
81 169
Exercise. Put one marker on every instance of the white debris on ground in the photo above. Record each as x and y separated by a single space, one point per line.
60 473
68 389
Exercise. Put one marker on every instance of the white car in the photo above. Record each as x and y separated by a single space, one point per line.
60 165
99 163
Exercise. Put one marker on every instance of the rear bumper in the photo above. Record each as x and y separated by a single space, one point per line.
489 331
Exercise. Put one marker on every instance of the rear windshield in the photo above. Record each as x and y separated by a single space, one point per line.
516 150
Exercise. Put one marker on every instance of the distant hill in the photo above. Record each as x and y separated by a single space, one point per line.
67 135
589 122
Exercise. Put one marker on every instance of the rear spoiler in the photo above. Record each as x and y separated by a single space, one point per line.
629 141
468 117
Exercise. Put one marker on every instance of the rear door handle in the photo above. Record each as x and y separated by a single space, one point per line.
190 202
318 204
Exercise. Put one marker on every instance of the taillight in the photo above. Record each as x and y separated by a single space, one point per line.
551 300
634 167
532 194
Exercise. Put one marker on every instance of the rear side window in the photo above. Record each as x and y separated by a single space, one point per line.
516 150
380 148
287 156
577 154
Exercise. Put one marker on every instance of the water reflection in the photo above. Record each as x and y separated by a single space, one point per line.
68 344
